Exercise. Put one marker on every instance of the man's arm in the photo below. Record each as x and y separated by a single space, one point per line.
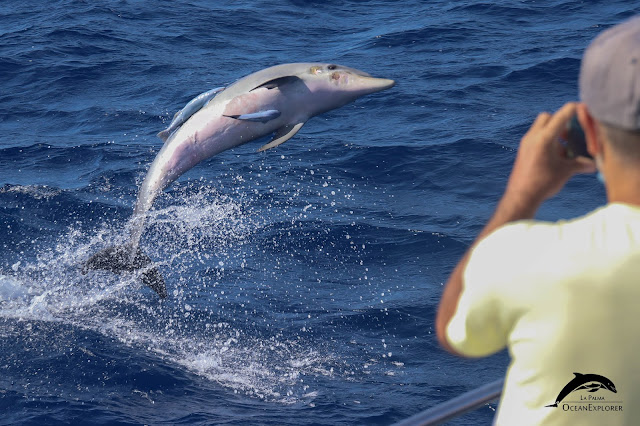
540 171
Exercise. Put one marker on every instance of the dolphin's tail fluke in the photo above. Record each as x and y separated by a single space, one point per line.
119 259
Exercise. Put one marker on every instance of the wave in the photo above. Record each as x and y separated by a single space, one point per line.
521 11
224 343
554 71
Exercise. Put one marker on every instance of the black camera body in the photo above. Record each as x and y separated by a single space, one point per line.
576 142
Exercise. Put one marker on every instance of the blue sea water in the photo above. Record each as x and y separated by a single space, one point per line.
303 281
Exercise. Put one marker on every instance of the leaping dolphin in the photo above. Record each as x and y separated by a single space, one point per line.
276 100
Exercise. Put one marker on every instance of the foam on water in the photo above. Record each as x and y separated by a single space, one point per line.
185 330
11 289
38 192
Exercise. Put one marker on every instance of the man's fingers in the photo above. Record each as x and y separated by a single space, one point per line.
540 121
585 165
558 122
581 165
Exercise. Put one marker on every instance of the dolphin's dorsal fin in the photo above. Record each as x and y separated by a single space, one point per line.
164 135
260 116
578 374
277 82
282 135
193 106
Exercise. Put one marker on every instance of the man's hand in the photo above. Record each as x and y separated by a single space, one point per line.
542 167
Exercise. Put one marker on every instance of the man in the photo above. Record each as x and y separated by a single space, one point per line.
563 297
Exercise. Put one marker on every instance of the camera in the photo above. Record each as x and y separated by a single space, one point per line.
576 143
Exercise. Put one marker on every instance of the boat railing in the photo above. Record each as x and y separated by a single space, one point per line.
457 406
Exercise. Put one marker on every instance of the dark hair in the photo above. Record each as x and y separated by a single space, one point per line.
624 142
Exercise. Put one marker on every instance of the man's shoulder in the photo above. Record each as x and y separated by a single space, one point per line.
526 243
529 239
524 230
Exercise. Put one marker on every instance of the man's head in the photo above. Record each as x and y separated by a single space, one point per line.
610 76
610 92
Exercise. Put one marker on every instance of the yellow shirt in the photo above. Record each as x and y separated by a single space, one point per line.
564 298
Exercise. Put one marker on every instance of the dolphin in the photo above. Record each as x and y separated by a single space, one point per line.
589 382
189 109
277 100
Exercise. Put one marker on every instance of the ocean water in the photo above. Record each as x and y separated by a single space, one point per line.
303 281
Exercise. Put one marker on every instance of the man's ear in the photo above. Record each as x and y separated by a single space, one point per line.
590 128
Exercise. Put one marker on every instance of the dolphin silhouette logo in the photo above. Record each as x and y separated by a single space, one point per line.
589 382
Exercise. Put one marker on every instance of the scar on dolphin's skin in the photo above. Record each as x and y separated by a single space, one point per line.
592 382
275 101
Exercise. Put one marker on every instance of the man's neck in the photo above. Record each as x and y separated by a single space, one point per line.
622 181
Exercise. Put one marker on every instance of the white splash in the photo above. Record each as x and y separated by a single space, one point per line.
52 288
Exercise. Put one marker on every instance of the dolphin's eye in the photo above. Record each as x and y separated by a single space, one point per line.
332 67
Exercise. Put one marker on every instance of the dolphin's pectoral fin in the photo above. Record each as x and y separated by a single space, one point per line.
118 259
282 135
193 106
261 116
278 82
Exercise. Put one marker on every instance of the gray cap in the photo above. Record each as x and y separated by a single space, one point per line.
610 76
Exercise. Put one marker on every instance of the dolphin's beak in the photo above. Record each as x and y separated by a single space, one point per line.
372 84
379 83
